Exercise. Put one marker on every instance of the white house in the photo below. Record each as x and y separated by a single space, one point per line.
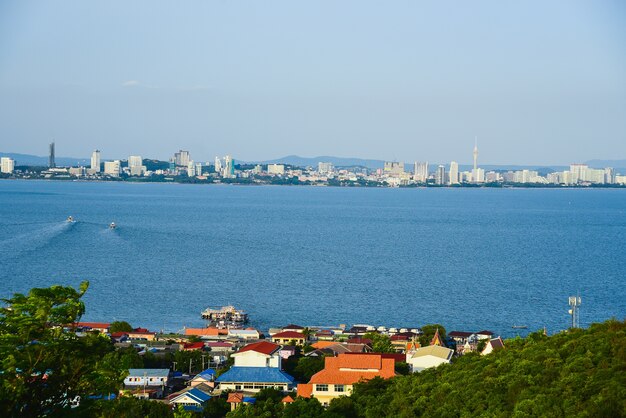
426 357
257 366
152 381
246 334
192 399
261 354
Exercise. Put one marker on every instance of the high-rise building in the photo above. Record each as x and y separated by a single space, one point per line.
420 172
325 168
454 173
191 169
51 162
7 165
218 165
95 161
609 175
135 165
182 158
198 169
229 167
393 168
440 175
112 168
275 169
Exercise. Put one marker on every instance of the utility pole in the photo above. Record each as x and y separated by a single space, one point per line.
189 366
203 356
174 365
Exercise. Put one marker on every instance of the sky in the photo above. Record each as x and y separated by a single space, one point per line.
537 82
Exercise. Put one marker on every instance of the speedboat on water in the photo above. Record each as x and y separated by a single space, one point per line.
112 225
70 219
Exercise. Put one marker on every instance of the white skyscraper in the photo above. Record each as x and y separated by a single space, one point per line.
218 165
112 168
440 175
7 165
95 161
420 172
191 169
135 165
454 173
325 168
182 158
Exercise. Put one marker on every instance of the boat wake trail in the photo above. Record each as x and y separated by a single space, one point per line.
34 239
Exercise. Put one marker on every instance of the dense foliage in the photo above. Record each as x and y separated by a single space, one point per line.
576 373
44 365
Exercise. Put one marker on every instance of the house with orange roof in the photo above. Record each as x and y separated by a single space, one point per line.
342 372
206 332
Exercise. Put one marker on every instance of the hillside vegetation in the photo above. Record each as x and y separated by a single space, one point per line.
579 373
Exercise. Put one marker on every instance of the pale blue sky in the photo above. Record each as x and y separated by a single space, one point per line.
539 82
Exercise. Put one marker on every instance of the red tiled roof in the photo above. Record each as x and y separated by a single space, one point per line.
397 357
305 390
287 399
263 347
193 346
140 330
484 332
322 344
359 340
289 334
235 397
349 369
118 334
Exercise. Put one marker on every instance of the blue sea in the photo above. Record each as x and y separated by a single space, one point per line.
469 259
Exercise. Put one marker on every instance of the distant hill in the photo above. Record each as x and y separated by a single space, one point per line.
618 165
34 160
375 164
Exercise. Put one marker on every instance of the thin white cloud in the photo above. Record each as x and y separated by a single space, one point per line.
130 83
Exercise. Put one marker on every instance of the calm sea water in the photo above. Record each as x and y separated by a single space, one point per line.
470 259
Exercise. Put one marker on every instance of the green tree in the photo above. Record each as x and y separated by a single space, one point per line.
120 326
216 407
304 408
381 343
307 367
44 364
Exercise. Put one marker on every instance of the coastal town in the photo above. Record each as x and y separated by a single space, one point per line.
181 168
231 360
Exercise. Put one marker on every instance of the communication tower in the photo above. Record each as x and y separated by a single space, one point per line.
574 304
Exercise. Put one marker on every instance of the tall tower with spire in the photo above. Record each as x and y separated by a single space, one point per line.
475 153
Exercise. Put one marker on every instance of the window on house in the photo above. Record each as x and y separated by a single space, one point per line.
321 388
340 388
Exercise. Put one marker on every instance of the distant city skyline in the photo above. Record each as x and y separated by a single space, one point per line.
539 83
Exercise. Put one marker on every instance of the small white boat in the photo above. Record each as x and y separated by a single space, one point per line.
70 219
112 225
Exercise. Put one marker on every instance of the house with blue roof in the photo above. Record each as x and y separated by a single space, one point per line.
193 400
257 366
205 377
